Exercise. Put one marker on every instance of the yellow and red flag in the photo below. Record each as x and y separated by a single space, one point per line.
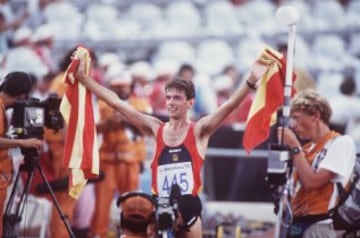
269 96
81 150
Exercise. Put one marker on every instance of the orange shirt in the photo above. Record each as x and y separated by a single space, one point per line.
123 142
6 165
314 201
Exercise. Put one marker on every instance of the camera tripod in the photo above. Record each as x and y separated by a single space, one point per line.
12 220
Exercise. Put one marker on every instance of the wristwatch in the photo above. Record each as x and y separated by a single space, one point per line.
295 150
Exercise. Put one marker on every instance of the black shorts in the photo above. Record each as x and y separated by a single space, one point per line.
190 209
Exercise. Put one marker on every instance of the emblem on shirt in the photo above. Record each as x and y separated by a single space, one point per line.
175 157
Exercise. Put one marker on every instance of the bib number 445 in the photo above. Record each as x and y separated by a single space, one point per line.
179 179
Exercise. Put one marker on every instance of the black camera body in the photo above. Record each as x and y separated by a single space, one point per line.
31 115
166 211
165 214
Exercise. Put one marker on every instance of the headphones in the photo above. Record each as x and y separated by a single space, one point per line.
127 195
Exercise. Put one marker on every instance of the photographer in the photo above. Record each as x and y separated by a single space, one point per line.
327 159
16 86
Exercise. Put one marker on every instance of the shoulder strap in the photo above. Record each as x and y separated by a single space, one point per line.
310 154
343 192
320 145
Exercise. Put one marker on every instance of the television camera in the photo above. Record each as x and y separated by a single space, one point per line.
166 212
30 116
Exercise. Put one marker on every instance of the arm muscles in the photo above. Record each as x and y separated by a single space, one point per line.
145 123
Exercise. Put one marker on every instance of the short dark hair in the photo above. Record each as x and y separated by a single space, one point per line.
16 83
66 59
185 67
348 86
184 85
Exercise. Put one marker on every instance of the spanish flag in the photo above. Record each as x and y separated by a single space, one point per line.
268 98
81 150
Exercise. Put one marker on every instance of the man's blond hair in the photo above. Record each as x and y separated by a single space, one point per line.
311 102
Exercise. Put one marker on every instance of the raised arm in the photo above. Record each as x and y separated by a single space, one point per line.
146 124
207 125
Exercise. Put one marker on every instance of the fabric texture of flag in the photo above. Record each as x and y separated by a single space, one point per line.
81 149
268 98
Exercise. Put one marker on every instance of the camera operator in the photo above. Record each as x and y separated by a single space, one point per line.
327 159
16 86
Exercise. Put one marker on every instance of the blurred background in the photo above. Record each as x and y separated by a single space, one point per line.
216 41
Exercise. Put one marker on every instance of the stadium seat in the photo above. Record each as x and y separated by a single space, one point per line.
149 17
101 22
258 15
328 83
224 10
180 51
354 44
182 19
213 56
328 16
328 51
248 49
65 19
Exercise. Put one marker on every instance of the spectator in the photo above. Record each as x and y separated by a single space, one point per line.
122 151
9 23
346 110
43 41
164 71
143 77
224 87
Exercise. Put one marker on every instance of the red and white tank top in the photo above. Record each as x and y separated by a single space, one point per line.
176 164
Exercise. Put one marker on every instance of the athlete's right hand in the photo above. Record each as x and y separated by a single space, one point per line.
80 73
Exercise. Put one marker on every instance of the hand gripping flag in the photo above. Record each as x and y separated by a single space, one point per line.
81 150
269 96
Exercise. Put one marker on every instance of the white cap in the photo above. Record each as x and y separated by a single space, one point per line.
141 68
43 32
118 75
21 34
106 59
164 67
223 82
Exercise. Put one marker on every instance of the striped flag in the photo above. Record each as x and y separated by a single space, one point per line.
268 98
81 150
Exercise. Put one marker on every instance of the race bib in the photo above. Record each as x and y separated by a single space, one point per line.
175 173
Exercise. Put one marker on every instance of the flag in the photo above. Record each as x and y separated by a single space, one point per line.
80 150
269 96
